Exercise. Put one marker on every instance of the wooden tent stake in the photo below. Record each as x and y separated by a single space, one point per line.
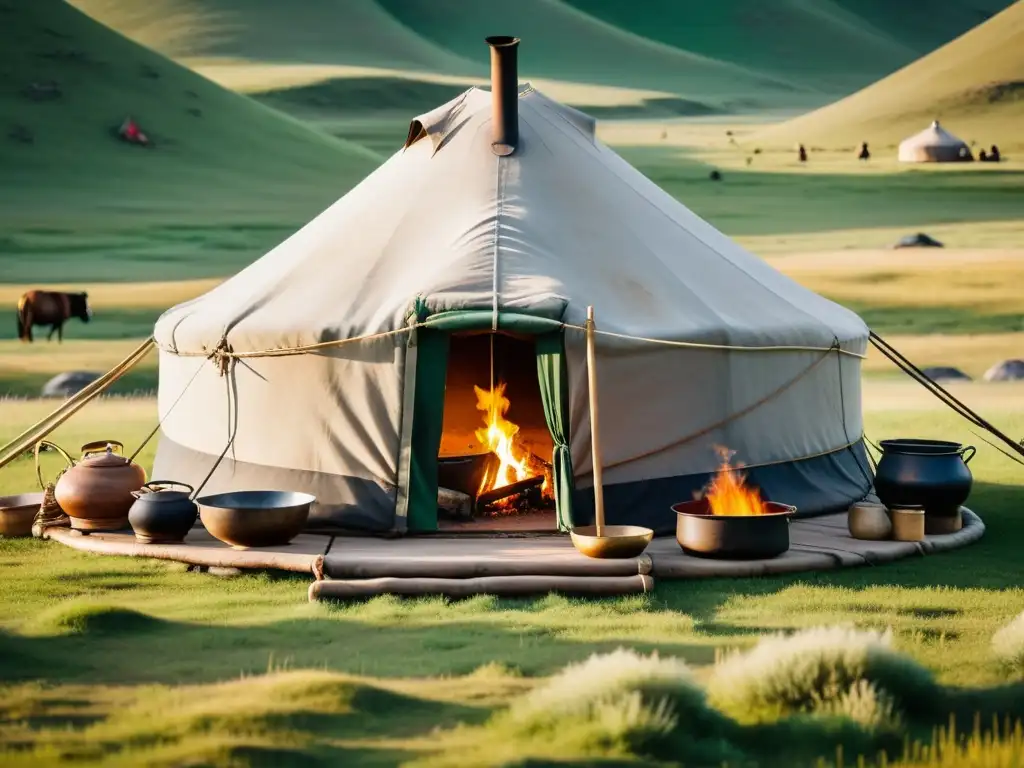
595 434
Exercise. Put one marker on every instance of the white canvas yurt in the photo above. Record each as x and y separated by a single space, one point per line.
343 362
934 145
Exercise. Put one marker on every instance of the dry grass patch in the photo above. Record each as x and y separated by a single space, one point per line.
827 670
1008 646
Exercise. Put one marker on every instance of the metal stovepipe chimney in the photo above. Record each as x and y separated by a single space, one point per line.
504 94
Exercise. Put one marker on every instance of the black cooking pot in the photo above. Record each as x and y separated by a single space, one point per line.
928 473
465 473
161 516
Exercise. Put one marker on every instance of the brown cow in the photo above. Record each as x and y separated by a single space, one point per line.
52 308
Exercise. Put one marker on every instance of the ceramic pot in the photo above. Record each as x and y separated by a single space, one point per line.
162 516
869 521
924 473
96 493
907 523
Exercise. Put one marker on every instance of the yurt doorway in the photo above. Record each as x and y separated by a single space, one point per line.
495 443
483 429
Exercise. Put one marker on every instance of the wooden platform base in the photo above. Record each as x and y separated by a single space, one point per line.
458 565
505 586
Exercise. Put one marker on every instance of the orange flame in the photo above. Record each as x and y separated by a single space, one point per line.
728 493
500 436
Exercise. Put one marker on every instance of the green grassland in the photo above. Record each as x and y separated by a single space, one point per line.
119 661
974 85
80 635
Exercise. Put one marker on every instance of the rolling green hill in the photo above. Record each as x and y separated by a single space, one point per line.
732 55
445 37
225 177
835 46
974 85
351 32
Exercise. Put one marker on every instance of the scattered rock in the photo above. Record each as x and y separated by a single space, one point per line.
1007 370
21 134
715 176
195 111
757 150
69 383
920 240
46 91
150 72
945 373
192 94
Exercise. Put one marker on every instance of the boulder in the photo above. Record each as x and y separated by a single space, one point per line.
920 240
945 373
1007 370
69 383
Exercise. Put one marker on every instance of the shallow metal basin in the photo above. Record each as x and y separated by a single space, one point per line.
616 541
247 519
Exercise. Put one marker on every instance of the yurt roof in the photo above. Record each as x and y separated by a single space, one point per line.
933 136
561 223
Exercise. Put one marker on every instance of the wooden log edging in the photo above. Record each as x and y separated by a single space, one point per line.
210 557
504 586
340 566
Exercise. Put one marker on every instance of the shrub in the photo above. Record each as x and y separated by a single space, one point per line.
1008 646
829 670
619 703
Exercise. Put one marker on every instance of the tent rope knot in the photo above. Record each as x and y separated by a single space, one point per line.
221 356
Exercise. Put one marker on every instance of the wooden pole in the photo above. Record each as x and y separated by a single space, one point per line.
595 433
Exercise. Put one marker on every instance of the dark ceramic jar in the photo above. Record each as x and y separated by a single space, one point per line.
928 473
161 516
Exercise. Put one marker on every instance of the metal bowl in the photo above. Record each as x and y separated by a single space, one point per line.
17 513
246 519
617 541
732 537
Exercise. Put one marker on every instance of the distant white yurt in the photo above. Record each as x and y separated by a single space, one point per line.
344 362
934 145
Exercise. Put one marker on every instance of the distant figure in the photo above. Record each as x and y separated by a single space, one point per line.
664 135
803 154
749 160
130 132
50 308
965 154
863 154
994 155
982 155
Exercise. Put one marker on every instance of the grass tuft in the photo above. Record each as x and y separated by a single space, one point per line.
1008 646
984 748
90 618
827 670
614 704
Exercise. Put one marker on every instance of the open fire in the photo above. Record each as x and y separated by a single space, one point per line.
501 437
728 493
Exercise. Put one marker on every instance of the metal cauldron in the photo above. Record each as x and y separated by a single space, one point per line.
924 473
732 537
246 519
466 473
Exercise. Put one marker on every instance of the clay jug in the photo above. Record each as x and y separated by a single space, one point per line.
96 492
